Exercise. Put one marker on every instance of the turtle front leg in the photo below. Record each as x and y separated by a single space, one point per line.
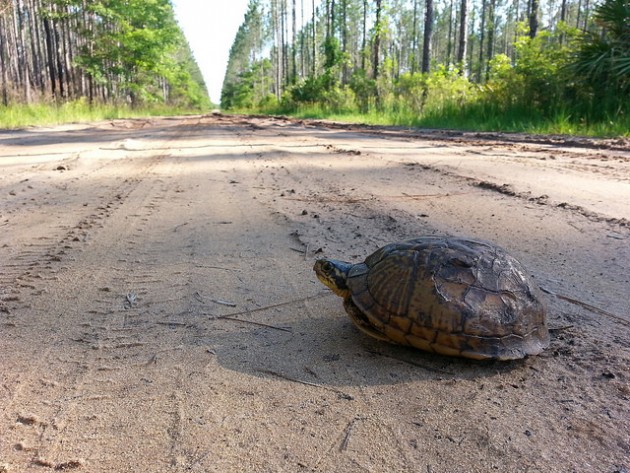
362 322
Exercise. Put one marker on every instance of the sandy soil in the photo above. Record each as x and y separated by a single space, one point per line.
159 312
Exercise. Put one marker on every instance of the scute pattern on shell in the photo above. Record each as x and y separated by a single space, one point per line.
452 296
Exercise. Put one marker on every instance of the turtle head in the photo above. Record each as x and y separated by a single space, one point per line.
334 274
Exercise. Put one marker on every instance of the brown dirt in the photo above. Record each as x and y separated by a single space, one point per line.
158 309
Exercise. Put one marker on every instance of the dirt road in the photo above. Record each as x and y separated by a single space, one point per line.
159 312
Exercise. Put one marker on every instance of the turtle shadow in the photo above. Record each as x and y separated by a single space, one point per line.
331 351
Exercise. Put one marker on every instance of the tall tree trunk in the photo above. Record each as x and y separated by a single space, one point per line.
414 40
4 73
60 65
23 56
517 18
533 18
278 36
587 7
579 14
482 33
377 40
36 75
563 18
428 37
294 42
491 28
284 33
344 40
449 44
314 40
332 19
302 40
328 27
50 59
364 38
463 36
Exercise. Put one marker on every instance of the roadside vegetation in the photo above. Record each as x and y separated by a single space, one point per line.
79 111
72 60
503 65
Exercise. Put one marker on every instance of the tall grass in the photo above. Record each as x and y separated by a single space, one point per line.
475 116
79 111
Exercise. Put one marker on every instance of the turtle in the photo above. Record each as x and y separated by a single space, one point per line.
452 296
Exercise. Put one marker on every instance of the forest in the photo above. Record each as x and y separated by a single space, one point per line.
129 52
524 65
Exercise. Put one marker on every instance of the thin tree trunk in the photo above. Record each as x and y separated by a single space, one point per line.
449 44
344 40
491 23
516 19
587 7
364 39
23 55
3 62
60 68
302 42
414 41
428 37
579 14
463 36
563 18
284 26
314 40
533 18
482 33
471 44
377 40
294 42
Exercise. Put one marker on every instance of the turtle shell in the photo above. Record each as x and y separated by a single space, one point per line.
451 296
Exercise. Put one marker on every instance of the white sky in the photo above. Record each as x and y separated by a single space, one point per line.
210 27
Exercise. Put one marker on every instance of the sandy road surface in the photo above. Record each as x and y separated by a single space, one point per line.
158 309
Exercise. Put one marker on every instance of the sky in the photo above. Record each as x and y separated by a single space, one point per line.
210 27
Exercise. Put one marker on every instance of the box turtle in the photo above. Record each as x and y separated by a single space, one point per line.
451 296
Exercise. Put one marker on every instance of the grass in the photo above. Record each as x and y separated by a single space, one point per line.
475 117
79 111
470 117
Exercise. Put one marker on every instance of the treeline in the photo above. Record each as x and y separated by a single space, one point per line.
511 58
129 52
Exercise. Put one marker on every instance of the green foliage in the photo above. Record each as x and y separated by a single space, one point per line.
322 90
138 52
332 53
364 89
602 61
562 80
239 85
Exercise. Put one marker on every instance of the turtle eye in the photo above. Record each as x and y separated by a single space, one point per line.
327 266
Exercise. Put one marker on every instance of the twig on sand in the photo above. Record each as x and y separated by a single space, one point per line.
284 329
303 251
272 306
226 303
560 329
355 200
348 432
173 324
177 227
587 306
234 316
307 383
